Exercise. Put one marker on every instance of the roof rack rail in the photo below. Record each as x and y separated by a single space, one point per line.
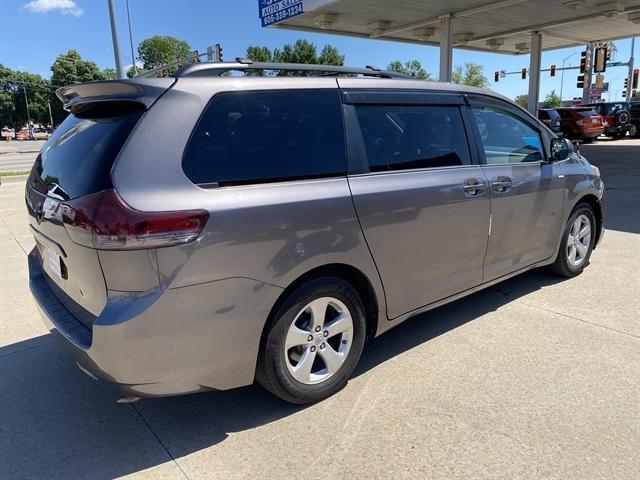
207 69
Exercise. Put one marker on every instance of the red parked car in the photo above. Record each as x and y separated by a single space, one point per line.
580 123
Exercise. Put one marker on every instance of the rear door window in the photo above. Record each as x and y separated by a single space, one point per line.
400 137
267 136
77 159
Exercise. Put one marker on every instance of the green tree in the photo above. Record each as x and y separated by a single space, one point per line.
412 67
471 75
7 92
13 108
67 69
259 54
302 51
110 74
522 100
552 100
160 50
330 55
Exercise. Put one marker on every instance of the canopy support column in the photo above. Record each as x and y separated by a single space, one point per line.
446 47
534 72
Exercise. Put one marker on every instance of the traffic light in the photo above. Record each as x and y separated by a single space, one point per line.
496 77
218 53
524 73
626 84
634 78
600 60
583 61
553 70
580 83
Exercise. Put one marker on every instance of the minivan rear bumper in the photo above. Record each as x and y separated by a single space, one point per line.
164 342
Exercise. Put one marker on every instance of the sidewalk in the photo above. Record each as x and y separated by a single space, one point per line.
27 146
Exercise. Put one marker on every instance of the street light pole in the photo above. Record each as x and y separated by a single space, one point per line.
133 58
562 75
26 101
116 44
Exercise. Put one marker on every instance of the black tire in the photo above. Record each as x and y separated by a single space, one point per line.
562 266
272 372
588 139
634 130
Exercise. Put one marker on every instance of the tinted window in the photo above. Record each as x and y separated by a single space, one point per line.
79 155
506 138
400 137
249 137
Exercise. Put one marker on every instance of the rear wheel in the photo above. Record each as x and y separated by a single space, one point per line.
314 343
577 242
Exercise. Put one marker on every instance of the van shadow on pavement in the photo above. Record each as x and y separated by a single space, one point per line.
56 422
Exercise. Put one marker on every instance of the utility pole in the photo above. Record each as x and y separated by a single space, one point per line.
26 101
133 58
630 76
50 116
116 44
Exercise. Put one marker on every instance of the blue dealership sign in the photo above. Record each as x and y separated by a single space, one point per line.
274 11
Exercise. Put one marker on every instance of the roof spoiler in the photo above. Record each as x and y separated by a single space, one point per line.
142 91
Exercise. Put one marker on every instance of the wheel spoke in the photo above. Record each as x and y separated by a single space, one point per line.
318 310
572 253
295 337
582 250
576 226
332 359
570 240
341 324
586 230
302 371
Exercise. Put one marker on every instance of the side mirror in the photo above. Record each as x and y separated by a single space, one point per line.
561 148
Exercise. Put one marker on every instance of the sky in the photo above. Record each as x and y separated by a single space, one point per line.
33 33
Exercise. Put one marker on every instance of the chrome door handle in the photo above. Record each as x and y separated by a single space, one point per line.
501 184
473 187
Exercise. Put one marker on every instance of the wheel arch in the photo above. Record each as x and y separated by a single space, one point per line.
348 273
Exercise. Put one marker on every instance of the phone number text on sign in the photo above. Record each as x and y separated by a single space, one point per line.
272 11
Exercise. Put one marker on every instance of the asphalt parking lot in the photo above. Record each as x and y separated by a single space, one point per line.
532 378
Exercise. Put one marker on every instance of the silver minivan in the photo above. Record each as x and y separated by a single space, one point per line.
235 223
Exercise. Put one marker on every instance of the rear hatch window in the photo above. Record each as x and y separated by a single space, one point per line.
77 159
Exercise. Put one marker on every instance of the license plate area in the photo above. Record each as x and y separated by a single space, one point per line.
55 263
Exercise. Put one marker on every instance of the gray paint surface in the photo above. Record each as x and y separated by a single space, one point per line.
193 320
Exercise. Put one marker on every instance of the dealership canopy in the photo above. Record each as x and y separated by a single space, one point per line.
506 26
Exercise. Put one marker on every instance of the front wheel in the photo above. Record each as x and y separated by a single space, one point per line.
634 131
577 242
314 343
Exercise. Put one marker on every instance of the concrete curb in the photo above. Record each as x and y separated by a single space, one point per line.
13 179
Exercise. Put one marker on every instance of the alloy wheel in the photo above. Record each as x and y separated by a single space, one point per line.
318 340
578 240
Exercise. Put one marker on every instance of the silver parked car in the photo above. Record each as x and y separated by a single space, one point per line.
205 230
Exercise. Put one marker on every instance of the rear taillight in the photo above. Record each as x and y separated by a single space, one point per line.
104 221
